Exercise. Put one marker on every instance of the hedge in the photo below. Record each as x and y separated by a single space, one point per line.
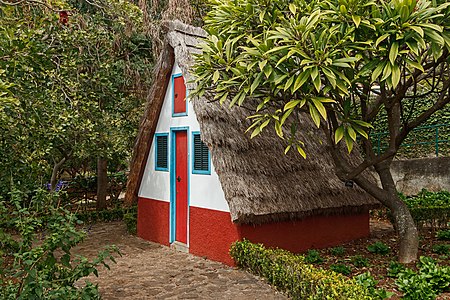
116 214
429 208
289 273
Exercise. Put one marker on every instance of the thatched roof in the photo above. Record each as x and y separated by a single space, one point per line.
260 183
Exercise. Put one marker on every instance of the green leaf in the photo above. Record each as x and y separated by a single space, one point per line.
301 79
319 106
433 27
393 53
256 83
378 70
292 8
413 46
286 115
361 131
317 83
380 39
216 76
340 84
264 124
291 104
301 151
351 133
417 29
434 36
289 82
356 20
287 149
314 115
339 134
348 142
362 123
255 123
223 97
386 71
279 79
268 70
279 129
395 75
330 76
255 132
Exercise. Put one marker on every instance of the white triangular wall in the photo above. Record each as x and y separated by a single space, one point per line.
205 191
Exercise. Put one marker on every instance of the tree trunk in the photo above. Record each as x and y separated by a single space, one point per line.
102 183
387 195
55 171
404 223
406 230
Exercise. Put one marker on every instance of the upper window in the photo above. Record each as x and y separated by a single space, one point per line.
161 152
201 162
179 96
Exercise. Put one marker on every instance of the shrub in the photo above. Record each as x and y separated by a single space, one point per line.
290 273
313 257
429 208
359 261
443 235
109 215
379 248
441 249
369 282
337 251
130 220
341 268
36 241
430 280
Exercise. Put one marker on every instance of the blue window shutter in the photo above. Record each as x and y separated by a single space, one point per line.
201 156
162 161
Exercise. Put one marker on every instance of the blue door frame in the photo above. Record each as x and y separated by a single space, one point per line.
173 154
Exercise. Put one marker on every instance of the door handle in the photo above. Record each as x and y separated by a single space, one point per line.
178 178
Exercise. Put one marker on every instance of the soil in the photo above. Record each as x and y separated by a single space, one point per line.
378 265
150 271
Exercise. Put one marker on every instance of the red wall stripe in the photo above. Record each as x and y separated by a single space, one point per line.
211 232
153 220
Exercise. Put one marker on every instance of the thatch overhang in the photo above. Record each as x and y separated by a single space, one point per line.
260 183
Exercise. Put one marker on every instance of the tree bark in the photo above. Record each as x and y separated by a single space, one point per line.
403 221
55 171
102 183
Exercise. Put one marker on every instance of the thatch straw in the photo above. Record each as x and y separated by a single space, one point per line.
263 184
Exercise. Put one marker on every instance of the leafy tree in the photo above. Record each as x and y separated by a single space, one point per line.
79 81
342 62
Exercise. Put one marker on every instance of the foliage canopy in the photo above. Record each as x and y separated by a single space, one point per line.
348 57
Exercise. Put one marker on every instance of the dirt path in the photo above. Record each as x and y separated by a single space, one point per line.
150 271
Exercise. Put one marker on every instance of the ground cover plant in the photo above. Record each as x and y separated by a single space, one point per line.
380 269
443 235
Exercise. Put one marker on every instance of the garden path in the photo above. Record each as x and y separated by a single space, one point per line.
149 271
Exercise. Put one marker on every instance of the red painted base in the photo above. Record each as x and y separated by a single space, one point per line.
153 220
211 232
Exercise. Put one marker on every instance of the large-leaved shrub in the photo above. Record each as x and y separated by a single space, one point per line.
36 239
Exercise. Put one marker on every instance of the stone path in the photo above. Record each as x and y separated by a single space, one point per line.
150 271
